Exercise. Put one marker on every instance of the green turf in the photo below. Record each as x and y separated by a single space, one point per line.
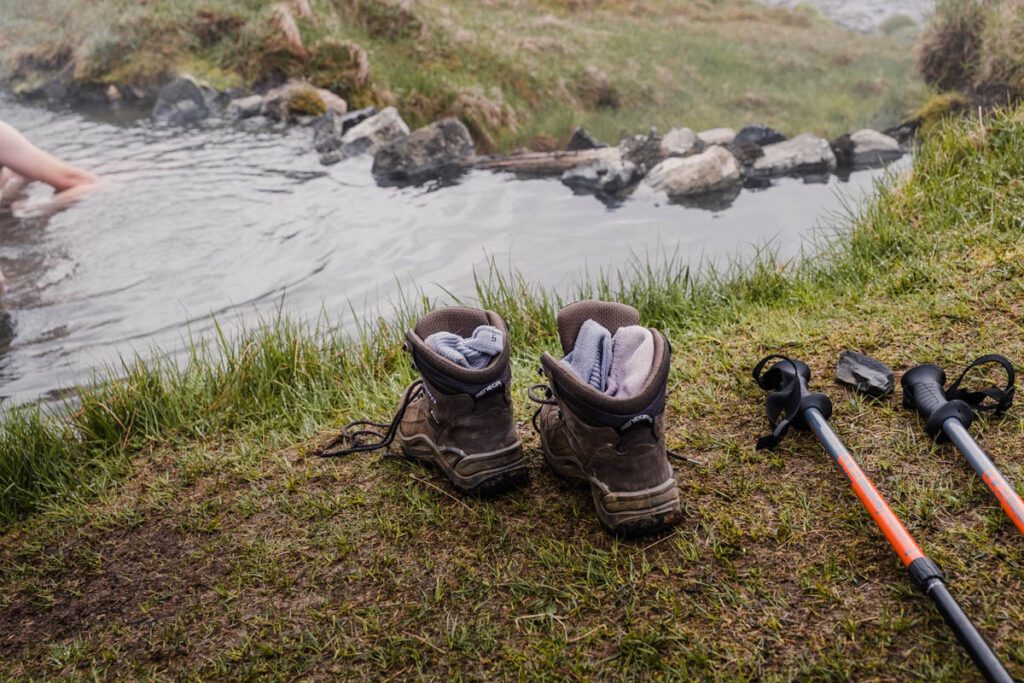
173 525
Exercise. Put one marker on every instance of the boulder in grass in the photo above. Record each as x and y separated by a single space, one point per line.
713 170
181 102
367 136
680 142
427 152
805 154
603 177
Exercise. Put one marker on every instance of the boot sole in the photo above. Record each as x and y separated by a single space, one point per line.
482 474
627 513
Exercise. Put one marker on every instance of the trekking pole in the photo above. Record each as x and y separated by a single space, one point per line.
791 404
947 413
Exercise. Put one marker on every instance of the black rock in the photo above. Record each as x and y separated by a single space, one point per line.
865 374
843 148
181 102
581 139
759 134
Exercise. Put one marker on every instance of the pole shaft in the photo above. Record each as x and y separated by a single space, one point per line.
897 535
908 550
986 469
986 661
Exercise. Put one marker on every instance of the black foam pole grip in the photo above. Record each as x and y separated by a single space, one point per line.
923 391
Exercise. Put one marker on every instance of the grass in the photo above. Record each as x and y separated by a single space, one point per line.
975 47
172 525
518 73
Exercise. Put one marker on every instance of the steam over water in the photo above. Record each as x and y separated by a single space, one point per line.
226 222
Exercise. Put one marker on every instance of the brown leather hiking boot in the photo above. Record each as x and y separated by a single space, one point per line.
455 417
615 444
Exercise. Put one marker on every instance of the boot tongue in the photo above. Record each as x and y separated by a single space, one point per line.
609 315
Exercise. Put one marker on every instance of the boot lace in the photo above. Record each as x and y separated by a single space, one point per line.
547 399
362 436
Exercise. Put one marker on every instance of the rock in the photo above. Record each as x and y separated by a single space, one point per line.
7 328
380 129
581 139
292 100
332 101
181 102
113 94
327 133
713 170
355 117
759 134
842 147
332 157
245 107
865 374
746 152
331 127
717 136
680 142
871 148
605 177
905 132
642 150
804 154
427 152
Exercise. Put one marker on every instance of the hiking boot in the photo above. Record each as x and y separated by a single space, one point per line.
615 444
457 418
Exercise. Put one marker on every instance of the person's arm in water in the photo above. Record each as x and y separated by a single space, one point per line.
19 156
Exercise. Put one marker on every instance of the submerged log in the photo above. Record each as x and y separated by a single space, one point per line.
544 163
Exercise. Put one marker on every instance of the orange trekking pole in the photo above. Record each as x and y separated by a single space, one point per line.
791 404
947 413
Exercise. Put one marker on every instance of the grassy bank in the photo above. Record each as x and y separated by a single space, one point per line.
179 529
518 73
975 47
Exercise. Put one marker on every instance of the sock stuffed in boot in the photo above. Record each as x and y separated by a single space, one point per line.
475 352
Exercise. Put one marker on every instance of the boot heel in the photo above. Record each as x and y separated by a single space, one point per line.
634 513
489 474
